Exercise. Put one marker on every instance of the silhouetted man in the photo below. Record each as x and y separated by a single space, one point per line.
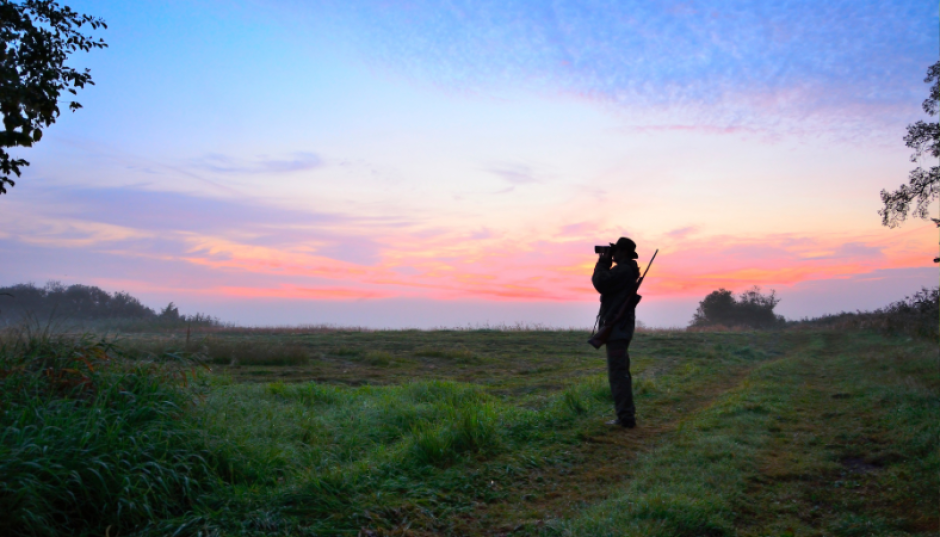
616 285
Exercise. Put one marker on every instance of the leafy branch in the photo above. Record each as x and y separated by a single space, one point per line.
36 39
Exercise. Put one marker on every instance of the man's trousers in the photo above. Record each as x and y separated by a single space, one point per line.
621 383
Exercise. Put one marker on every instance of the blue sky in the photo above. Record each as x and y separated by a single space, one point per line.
282 161
214 68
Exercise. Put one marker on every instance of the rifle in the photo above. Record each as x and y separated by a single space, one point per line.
603 334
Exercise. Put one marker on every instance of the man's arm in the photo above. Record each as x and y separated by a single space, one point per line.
606 279
601 276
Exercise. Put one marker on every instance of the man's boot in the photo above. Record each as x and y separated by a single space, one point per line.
626 424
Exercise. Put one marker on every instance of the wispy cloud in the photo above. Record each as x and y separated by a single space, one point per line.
224 164
515 174
336 256
142 219
482 234
682 232
728 66
850 250
579 229
300 293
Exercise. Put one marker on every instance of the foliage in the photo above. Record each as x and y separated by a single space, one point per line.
924 304
37 38
915 315
85 302
89 441
170 312
750 309
75 301
923 185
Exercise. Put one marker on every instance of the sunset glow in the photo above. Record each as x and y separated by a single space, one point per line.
270 161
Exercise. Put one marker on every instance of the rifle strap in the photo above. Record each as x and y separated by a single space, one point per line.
636 293
597 318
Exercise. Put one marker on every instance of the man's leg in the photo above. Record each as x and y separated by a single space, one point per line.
621 383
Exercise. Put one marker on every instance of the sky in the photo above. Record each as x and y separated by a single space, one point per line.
453 163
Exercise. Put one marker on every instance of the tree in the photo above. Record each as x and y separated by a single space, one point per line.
170 313
717 308
37 38
923 185
757 309
752 308
77 301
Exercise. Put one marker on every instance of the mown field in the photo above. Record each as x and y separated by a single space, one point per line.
477 432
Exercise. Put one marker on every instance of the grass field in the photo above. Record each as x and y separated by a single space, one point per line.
480 432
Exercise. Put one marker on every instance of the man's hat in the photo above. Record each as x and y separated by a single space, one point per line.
626 245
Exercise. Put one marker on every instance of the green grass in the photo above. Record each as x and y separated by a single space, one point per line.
468 433
829 441
88 441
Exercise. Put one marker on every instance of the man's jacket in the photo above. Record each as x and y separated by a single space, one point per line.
616 285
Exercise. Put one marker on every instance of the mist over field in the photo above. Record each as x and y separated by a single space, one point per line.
458 162
811 299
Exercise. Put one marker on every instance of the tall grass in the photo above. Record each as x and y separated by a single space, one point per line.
98 436
96 442
89 441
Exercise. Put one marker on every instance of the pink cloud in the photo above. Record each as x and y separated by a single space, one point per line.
682 232
490 264
560 271
299 293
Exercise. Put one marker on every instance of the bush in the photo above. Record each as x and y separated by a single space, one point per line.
916 316
751 309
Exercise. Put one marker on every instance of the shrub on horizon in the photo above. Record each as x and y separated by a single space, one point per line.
751 309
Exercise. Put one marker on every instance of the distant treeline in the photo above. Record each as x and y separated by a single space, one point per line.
917 315
85 303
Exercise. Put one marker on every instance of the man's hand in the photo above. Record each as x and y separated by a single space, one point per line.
606 259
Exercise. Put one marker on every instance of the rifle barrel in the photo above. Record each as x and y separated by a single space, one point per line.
603 333
650 264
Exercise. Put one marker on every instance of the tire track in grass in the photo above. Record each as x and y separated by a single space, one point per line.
795 450
691 483
856 452
604 460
